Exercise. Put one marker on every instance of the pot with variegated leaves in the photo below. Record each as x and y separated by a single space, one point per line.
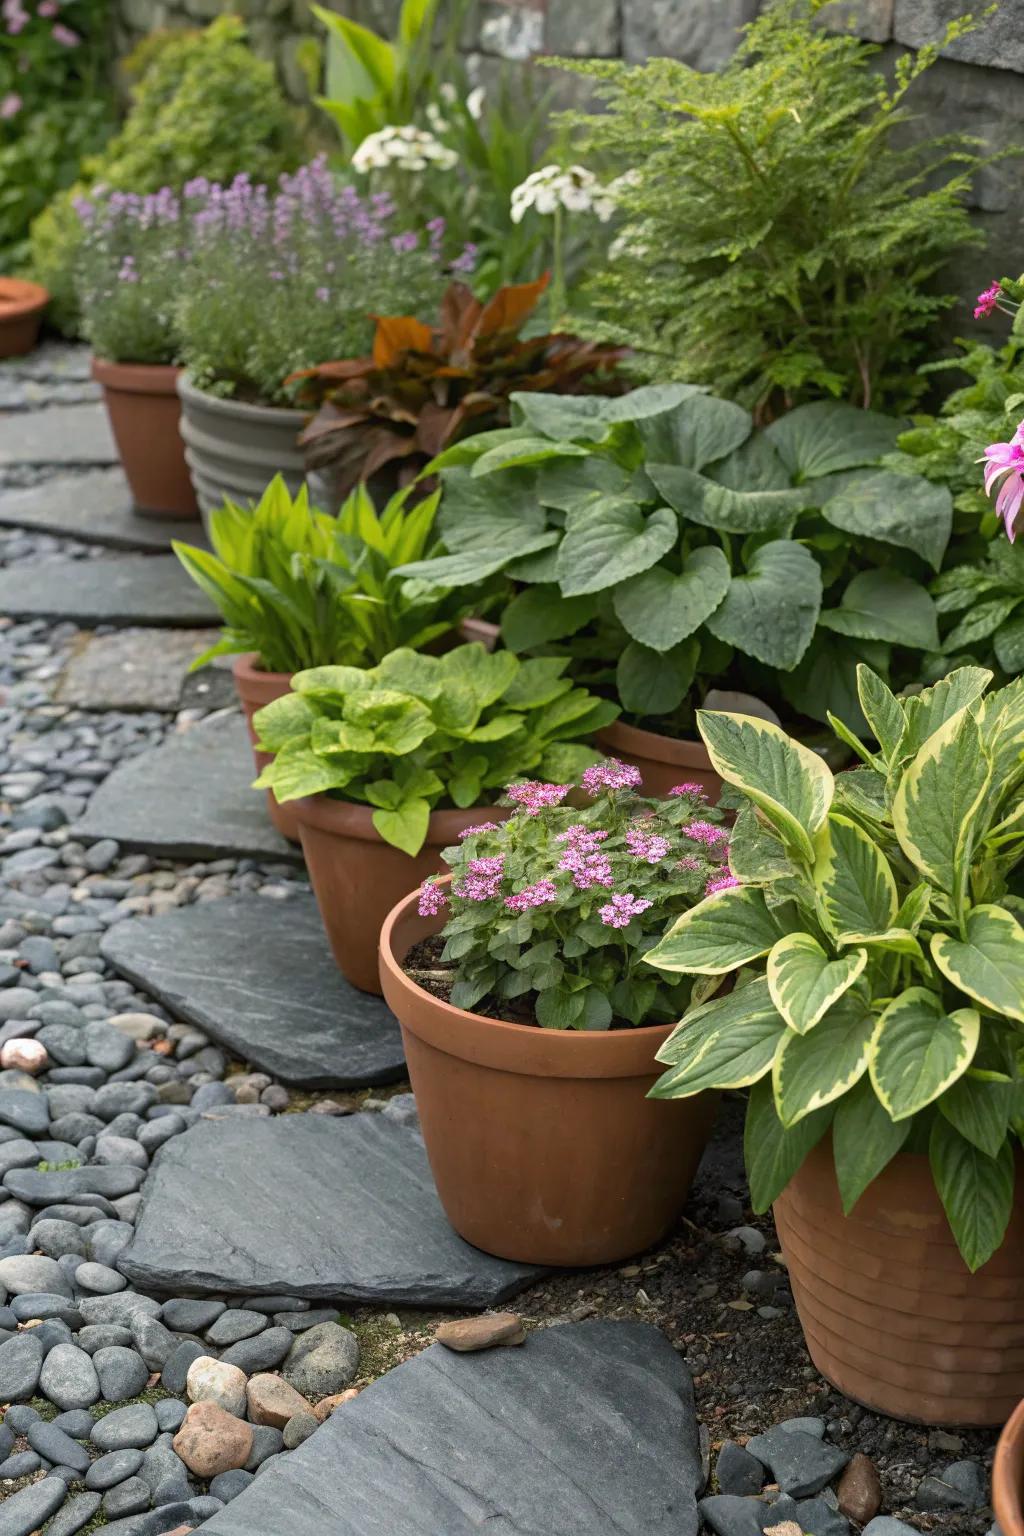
878 1022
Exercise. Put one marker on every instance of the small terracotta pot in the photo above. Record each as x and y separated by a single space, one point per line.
21 314
663 761
142 403
543 1146
357 877
256 688
891 1314
1008 1476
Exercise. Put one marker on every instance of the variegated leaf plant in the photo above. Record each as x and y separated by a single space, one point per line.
876 938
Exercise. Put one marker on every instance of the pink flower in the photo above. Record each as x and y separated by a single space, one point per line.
47 8
622 909
482 880
705 832
580 838
1005 461
533 796
611 774
65 36
587 869
646 845
11 105
432 899
723 882
481 826
695 791
987 301
533 896
689 863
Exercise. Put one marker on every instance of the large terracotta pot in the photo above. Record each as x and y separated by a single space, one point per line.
256 688
891 1313
234 449
543 1146
142 403
21 314
1008 1476
663 761
357 877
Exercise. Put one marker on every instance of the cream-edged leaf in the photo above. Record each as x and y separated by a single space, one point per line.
989 964
719 934
852 874
814 1069
937 805
804 982
791 784
919 1050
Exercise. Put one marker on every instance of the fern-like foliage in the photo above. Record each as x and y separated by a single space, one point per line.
781 231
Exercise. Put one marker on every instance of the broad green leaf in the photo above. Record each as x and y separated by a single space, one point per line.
521 451
825 437
864 1141
558 1008
570 483
980 1110
894 941
804 983
914 907
885 605
405 827
989 964
655 682
1008 645
790 783
814 1069
699 431
732 1050
882 710
482 532
918 1050
719 934
906 510
755 853
982 620
295 774
718 1011
926 711
773 1152
283 720
976 1191
719 507
939 800
609 541
565 417
659 608
771 612
857 888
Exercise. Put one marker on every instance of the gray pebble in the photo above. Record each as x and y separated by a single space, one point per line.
134 1425
112 1469
68 1377
299 1428
26 1510
122 1373
76 1513
76 1422
187 1316
235 1324
56 1238
56 1447
99 1279
96 1336
21 1464
261 1353
266 1442
228 1485
128 1498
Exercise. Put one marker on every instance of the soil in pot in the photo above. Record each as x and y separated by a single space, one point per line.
21 314
663 761
1008 1476
256 688
891 1314
142 403
543 1146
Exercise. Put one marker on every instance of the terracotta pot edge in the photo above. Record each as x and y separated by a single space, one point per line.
135 378
1008 1475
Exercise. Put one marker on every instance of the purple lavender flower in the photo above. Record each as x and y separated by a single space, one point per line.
620 911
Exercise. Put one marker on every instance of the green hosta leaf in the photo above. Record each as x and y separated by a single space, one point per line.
565 417
939 801
919 1050
864 1141
773 1152
824 437
862 790
609 541
723 509
541 614
771 612
570 484
914 907
989 965
882 710
655 682
885 605
729 1043
1009 646
814 1069
982 620
755 853
976 1191
899 509
659 609
521 451
980 1110
804 983
856 884
719 934
699 431
895 941
790 783
928 710
404 827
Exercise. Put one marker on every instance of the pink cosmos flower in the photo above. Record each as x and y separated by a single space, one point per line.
646 845
1005 461
622 908
705 832
611 774
432 899
10 106
533 796
723 882
987 301
694 791
533 896
482 880
481 826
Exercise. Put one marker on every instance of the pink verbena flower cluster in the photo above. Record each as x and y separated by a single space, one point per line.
721 882
691 791
533 796
537 895
482 880
481 826
623 907
610 775
583 859
705 832
987 301
649 846
432 899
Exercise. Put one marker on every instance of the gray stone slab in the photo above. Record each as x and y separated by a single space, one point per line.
310 1206
95 507
586 1430
122 589
258 977
189 798
143 669
703 33
997 42
64 434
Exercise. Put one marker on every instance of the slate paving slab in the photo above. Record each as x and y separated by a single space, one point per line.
122 589
95 507
258 977
189 798
64 434
587 1430
308 1206
144 669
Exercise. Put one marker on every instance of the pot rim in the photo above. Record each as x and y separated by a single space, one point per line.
679 751
1008 1475
347 818
20 297
135 378
280 415
244 669
526 1049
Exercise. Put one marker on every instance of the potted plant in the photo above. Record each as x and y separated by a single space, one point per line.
881 1036
279 278
130 266
298 589
665 545
388 764
1008 1476
21 314
531 1024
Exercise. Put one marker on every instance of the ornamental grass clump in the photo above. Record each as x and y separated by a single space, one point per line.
551 913
129 271
876 940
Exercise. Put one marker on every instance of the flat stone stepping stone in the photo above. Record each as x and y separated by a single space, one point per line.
189 798
585 1430
64 434
310 1206
144 669
258 977
95 507
124 589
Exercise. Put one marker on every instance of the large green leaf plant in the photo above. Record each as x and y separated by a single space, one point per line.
662 542
420 732
874 933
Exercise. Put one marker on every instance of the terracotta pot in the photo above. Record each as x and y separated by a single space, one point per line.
481 630
142 403
1008 1476
21 314
357 877
663 761
256 688
234 449
543 1146
891 1314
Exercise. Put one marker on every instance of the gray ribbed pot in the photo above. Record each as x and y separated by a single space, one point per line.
234 450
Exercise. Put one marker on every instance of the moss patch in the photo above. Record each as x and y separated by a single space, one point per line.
151 1395
383 1343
